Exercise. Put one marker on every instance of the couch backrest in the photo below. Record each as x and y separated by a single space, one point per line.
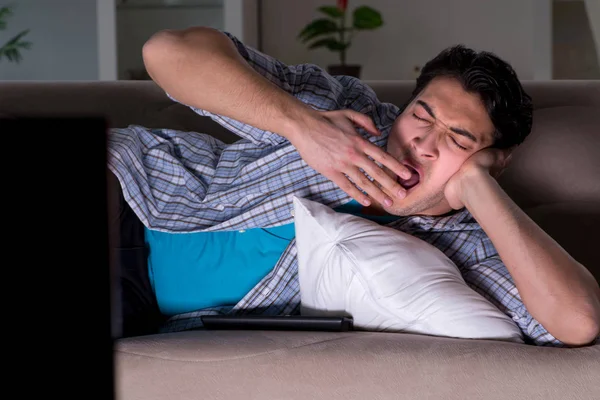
144 103
554 175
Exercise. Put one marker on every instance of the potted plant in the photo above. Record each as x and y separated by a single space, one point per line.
334 33
11 50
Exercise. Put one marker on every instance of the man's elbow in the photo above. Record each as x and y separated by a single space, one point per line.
172 39
581 323
583 331
165 49
157 49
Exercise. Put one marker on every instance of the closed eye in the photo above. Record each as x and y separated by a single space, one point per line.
458 145
453 140
419 118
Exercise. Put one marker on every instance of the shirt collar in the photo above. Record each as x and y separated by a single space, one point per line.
457 220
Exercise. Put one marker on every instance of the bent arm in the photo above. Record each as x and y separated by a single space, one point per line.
204 69
558 291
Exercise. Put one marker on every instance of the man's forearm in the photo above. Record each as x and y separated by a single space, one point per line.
202 68
558 291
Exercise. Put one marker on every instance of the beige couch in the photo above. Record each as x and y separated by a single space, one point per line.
555 178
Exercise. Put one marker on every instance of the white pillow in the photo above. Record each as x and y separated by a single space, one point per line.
387 280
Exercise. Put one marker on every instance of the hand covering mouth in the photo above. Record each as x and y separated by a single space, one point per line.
411 182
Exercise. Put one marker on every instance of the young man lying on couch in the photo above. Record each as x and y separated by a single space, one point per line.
216 216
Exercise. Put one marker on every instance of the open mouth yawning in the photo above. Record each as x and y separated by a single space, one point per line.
411 182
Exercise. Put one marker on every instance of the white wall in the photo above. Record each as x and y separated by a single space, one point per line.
542 61
64 40
107 40
593 12
240 19
136 25
415 31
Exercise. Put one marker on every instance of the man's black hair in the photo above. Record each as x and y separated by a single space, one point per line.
494 80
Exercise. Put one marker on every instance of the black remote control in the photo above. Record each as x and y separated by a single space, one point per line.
283 322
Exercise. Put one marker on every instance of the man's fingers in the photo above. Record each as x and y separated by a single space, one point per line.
388 183
363 120
361 180
342 181
387 160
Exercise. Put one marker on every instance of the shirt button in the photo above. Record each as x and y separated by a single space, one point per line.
292 212
242 230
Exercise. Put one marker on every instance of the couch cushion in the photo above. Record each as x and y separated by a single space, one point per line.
351 365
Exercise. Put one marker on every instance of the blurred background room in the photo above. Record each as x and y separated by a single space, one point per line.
386 39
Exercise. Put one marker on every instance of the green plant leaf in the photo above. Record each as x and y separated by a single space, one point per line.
332 11
15 40
318 27
10 49
366 18
12 54
331 43
5 12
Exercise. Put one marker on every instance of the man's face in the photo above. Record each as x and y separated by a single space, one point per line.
436 133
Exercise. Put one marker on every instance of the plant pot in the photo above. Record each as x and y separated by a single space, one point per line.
350 70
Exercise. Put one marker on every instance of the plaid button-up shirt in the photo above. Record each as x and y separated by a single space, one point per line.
191 182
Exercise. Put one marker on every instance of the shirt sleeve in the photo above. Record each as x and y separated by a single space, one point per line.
307 82
485 273
362 98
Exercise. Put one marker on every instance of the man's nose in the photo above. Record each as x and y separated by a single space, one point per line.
426 144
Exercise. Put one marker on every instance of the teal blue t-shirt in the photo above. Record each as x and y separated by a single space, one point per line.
191 271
